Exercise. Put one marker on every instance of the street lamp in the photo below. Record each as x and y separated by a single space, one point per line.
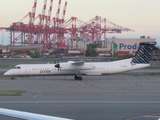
2 37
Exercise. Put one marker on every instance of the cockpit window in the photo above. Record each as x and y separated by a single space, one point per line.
17 67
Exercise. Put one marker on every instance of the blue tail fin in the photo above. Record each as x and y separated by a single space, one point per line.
144 53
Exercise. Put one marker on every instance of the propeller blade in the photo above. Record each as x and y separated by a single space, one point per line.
57 66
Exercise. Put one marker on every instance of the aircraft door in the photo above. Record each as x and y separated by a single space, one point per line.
107 69
27 70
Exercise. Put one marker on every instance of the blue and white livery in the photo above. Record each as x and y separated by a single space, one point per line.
79 68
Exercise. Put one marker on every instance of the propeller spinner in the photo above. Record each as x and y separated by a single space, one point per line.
57 65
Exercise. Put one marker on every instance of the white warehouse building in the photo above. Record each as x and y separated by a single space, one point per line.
122 46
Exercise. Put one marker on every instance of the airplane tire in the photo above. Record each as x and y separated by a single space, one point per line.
80 78
12 78
76 77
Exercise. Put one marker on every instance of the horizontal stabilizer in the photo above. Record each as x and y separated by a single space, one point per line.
144 53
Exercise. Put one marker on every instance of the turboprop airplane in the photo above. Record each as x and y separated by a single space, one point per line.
28 115
78 68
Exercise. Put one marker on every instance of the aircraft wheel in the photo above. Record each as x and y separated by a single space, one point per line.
80 78
12 78
76 77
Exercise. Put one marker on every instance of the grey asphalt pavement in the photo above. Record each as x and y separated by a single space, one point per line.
114 97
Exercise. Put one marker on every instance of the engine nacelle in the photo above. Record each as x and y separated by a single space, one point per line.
69 66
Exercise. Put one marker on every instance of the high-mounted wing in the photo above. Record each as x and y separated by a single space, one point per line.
27 115
74 65
76 62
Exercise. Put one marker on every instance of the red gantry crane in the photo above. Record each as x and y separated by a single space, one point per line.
51 32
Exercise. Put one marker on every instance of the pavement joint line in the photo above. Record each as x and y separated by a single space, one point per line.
111 102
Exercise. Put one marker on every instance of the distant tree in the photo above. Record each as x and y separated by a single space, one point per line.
29 53
34 54
15 52
91 50
18 52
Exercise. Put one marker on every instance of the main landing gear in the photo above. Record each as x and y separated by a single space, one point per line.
76 77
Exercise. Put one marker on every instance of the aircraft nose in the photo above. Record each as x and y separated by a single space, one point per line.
7 73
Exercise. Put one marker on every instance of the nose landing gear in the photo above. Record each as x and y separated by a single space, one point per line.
12 78
78 76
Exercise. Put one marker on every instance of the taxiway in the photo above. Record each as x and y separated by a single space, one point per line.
114 97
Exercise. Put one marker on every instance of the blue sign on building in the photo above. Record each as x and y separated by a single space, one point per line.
128 47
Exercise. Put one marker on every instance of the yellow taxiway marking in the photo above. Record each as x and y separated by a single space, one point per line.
151 116
82 83
146 116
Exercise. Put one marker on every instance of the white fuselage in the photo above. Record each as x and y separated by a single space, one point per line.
93 68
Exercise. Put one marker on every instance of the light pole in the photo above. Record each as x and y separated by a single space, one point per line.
112 48
2 37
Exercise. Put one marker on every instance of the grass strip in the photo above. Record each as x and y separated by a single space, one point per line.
2 74
10 92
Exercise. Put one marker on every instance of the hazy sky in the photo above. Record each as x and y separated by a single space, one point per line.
143 16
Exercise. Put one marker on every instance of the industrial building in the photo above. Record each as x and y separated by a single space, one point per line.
53 34
121 46
109 47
